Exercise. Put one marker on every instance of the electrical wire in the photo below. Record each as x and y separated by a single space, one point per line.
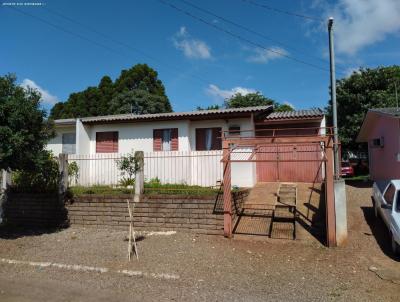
251 31
239 37
82 37
281 11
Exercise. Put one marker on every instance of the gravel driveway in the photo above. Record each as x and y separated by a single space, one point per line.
204 268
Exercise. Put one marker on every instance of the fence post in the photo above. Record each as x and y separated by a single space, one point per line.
139 176
63 172
5 182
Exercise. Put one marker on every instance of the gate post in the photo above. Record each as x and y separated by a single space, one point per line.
63 169
227 190
139 176
330 196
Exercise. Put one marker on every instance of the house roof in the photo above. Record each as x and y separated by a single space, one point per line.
297 114
200 114
65 122
265 112
370 119
393 111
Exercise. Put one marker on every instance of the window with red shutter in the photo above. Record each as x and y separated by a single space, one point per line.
174 139
157 140
165 139
208 139
107 142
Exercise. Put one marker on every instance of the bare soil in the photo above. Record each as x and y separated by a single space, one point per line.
210 268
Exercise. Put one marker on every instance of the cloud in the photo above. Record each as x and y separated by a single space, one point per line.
47 97
265 55
289 104
221 94
349 71
191 48
359 23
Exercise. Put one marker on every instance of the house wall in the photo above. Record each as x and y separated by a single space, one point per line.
243 174
82 138
383 162
139 136
55 144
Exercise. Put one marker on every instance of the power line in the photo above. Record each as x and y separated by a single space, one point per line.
250 30
242 38
281 11
58 27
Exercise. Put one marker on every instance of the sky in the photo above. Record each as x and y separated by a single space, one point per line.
203 53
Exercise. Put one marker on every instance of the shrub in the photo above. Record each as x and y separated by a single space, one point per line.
43 176
73 171
128 165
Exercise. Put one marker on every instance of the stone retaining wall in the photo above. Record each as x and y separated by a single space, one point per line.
161 212
200 214
34 210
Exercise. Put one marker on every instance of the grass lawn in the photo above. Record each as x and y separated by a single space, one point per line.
358 178
149 189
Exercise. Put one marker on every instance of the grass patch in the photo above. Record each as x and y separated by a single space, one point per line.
358 178
149 189
99 190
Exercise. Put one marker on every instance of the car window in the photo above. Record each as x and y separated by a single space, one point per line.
398 202
389 194
345 164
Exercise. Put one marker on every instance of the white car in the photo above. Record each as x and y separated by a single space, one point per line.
386 198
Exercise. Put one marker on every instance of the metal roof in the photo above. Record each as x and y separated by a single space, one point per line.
65 122
393 111
371 120
297 114
175 115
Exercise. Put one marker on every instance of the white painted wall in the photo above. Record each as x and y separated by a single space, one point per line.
82 138
139 136
55 144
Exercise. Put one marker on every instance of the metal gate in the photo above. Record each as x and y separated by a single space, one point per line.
282 165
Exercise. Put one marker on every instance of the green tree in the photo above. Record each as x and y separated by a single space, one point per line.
24 129
139 82
254 99
211 107
363 90
138 102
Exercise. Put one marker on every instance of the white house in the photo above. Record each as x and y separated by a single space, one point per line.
167 135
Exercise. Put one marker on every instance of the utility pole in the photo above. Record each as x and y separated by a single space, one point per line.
333 99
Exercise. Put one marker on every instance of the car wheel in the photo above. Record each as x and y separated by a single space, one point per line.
395 246
376 211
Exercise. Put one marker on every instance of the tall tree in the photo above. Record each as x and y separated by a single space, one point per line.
138 102
24 129
137 83
254 99
363 90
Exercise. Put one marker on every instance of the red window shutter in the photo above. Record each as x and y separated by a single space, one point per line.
174 139
107 142
200 139
216 139
157 139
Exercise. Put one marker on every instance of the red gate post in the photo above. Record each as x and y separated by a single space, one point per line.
330 197
227 190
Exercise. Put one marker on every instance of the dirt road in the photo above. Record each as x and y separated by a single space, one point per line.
206 268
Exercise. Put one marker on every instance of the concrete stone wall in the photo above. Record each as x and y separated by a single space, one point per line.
200 214
161 212
34 210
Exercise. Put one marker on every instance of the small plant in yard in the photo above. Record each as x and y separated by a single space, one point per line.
126 182
128 165
73 171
